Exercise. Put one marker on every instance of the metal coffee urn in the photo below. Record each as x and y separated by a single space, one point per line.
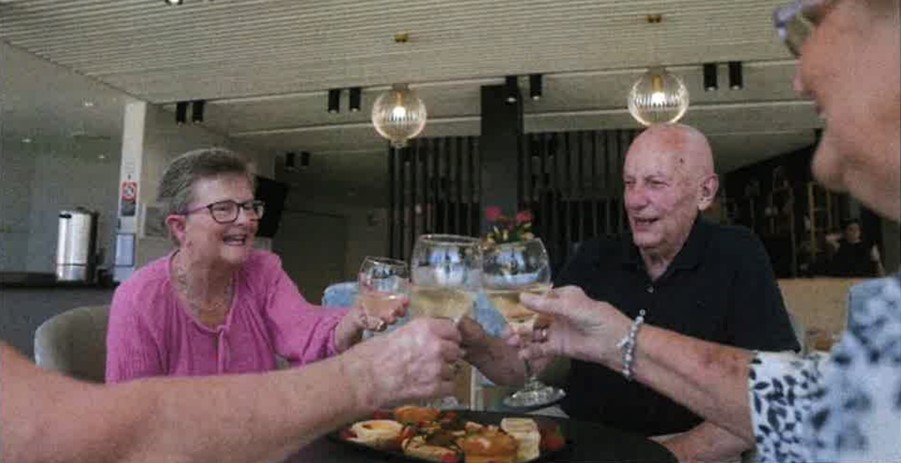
76 244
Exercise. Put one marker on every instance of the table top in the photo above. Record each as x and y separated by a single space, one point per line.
586 442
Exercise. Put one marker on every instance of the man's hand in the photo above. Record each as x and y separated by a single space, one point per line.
580 327
473 336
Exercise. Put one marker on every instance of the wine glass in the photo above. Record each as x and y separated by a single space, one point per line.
445 271
508 270
383 288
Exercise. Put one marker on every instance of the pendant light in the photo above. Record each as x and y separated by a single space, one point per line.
658 97
398 115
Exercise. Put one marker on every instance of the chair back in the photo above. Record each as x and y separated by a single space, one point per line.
342 294
74 343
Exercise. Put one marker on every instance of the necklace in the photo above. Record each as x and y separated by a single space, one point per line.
214 311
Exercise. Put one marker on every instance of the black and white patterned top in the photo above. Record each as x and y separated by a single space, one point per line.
845 406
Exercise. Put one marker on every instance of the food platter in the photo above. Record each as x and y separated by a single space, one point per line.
454 436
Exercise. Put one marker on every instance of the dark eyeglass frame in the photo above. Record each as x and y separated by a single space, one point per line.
796 21
258 207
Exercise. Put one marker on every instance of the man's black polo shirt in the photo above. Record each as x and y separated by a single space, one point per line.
720 287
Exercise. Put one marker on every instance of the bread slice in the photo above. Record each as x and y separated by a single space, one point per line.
526 433
377 433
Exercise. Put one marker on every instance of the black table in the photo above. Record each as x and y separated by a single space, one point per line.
586 442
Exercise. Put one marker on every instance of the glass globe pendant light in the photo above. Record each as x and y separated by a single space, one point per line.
658 97
398 115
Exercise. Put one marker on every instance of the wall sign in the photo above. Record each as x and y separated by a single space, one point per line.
128 199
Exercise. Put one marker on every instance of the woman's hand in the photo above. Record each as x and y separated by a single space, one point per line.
350 329
416 361
580 327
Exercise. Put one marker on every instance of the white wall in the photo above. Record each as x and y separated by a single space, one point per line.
16 172
65 181
59 165
38 182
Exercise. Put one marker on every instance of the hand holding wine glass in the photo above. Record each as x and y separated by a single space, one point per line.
383 291
583 328
508 270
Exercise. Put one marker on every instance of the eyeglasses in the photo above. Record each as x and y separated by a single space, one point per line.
795 22
227 211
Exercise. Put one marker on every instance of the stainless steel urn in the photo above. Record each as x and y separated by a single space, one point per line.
76 244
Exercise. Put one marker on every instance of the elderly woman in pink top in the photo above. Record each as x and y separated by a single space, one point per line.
215 304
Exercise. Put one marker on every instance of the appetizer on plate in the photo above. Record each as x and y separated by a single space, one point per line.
447 437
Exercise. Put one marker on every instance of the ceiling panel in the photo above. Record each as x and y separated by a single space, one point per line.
265 66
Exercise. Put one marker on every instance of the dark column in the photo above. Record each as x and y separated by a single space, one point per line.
498 148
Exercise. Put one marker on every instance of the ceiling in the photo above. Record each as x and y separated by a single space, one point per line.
265 66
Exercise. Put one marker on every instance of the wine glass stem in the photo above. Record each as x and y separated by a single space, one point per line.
531 377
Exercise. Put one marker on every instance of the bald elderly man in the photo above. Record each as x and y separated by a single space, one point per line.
705 280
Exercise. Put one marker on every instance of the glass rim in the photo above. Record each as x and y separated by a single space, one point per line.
439 238
385 260
511 243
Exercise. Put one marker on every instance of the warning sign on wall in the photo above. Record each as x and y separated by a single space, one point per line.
128 199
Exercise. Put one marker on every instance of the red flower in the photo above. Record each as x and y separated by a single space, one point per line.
523 217
493 213
507 229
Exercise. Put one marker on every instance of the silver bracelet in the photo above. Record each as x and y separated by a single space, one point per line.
627 345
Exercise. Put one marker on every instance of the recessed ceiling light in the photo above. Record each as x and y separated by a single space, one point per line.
173 2
88 104
26 140
101 157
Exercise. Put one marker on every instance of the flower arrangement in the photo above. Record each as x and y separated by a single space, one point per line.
506 229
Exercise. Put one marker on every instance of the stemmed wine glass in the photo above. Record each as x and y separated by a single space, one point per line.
445 271
509 269
383 289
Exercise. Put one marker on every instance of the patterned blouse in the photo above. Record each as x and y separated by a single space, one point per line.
845 406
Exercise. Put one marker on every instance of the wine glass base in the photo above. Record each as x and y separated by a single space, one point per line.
530 398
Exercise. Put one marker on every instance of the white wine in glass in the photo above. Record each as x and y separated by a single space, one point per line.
445 271
383 285
506 301
452 303
508 270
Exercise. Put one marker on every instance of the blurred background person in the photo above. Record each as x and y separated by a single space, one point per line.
853 256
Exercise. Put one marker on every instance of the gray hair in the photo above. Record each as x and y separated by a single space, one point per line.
176 187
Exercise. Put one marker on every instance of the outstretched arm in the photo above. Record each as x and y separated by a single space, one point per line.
708 378
706 442
47 417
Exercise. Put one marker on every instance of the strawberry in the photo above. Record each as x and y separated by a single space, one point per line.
551 438
450 458
553 443
407 433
